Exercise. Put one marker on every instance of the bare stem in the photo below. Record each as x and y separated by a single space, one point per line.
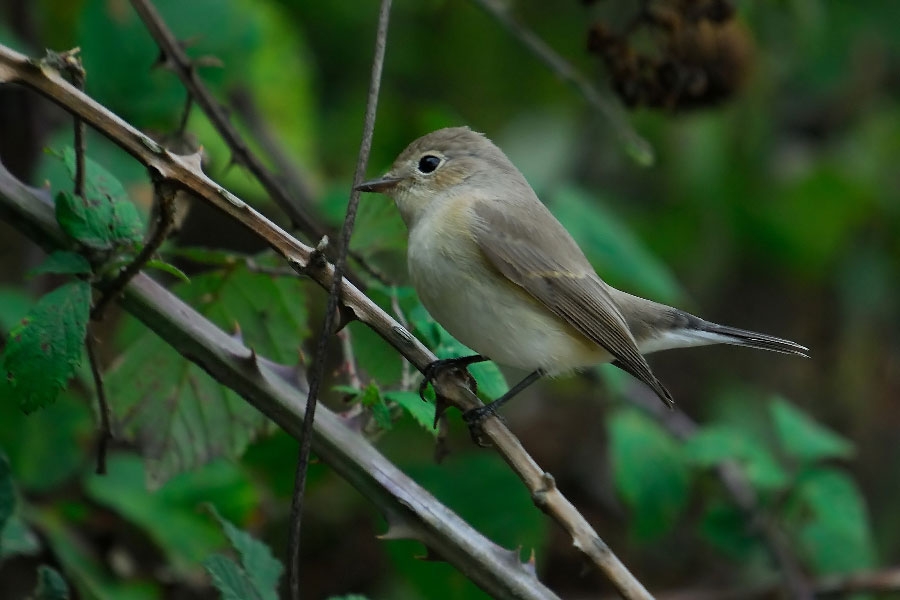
334 292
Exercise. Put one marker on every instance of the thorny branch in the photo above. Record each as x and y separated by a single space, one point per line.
332 306
296 210
411 512
182 171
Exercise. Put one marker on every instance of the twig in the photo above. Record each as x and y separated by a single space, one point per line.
406 376
349 366
16 68
246 108
105 435
735 482
165 195
334 291
637 147
411 512
178 59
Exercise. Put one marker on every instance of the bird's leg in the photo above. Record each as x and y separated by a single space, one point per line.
431 371
475 415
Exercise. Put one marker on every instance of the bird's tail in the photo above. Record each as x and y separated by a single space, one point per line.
723 334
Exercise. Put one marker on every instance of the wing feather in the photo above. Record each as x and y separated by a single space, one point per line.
546 262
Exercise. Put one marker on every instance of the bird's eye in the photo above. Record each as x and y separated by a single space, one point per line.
429 163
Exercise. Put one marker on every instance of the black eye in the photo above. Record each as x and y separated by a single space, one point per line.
429 163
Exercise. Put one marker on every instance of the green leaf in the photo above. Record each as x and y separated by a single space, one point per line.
230 579
18 538
418 409
51 585
83 570
370 397
257 561
716 444
649 471
615 252
828 515
803 438
179 416
170 515
66 263
165 267
14 304
104 218
45 349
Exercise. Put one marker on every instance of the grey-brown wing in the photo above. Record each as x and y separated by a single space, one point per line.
545 261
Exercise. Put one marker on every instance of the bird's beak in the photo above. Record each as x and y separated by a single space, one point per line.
382 184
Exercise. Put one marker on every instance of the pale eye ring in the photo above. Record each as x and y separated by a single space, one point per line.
429 163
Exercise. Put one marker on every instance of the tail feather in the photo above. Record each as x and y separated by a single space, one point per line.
752 339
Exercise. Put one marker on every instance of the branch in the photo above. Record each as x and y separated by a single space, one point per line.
411 511
181 64
185 172
318 366
638 148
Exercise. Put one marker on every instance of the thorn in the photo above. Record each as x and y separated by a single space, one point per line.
398 529
209 61
511 556
531 565
343 317
238 335
194 160
250 360
431 555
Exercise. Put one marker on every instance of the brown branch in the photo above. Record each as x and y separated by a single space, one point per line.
334 290
16 68
638 148
411 512
105 435
180 62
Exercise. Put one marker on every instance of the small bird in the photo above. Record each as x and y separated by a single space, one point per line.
495 268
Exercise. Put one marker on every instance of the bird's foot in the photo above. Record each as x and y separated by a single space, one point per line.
431 372
474 418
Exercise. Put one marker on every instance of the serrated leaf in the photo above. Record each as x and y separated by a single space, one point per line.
103 218
803 438
614 251
716 444
831 522
51 585
232 581
45 349
161 265
64 263
649 471
418 409
257 561
179 416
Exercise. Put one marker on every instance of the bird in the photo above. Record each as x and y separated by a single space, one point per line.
502 275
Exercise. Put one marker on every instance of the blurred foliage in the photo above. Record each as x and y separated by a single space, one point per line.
778 210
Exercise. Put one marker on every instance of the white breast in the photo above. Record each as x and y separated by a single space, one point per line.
482 309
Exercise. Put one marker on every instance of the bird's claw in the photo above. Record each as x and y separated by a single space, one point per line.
431 372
